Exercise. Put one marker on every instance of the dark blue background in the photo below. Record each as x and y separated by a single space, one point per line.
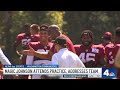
114 70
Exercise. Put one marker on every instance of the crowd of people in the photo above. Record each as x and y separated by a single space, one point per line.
43 44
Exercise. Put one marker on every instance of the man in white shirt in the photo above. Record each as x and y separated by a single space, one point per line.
4 61
65 58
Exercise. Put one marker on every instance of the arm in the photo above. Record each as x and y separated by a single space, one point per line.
42 55
17 42
1 74
4 60
31 51
15 45
1 71
117 59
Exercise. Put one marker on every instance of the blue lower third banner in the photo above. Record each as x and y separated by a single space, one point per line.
109 73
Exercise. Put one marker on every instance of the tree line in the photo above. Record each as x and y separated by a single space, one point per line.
72 23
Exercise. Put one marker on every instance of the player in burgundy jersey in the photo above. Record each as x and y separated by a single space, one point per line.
90 54
26 37
106 39
109 49
107 43
117 59
42 46
111 52
54 31
23 39
35 32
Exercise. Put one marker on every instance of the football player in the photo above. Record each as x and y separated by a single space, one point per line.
90 54
23 39
35 32
53 31
42 46
106 39
113 54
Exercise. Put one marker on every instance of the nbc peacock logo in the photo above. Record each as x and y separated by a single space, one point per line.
111 74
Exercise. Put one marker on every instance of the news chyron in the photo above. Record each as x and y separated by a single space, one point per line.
66 73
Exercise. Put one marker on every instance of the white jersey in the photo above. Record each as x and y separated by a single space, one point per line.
4 60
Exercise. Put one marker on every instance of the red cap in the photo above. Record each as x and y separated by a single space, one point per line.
107 34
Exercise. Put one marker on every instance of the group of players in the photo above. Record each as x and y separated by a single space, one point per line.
38 39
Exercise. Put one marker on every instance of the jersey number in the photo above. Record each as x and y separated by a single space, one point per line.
111 59
87 57
25 41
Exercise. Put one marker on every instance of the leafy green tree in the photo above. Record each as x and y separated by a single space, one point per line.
97 21
12 22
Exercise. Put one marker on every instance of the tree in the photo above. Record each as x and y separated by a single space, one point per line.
7 21
97 21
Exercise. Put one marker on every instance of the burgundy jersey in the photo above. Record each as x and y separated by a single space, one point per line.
105 44
25 39
116 48
37 46
111 51
93 54
35 38
102 44
70 45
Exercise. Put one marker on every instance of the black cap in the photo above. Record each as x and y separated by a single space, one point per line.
60 40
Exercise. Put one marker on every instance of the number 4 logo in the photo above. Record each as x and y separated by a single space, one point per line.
109 73
106 72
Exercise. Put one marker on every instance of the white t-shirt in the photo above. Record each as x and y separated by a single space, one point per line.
4 60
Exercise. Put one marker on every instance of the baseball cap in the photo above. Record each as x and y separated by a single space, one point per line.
60 40
107 34
44 27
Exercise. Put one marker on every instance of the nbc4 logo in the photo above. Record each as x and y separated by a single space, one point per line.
109 73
